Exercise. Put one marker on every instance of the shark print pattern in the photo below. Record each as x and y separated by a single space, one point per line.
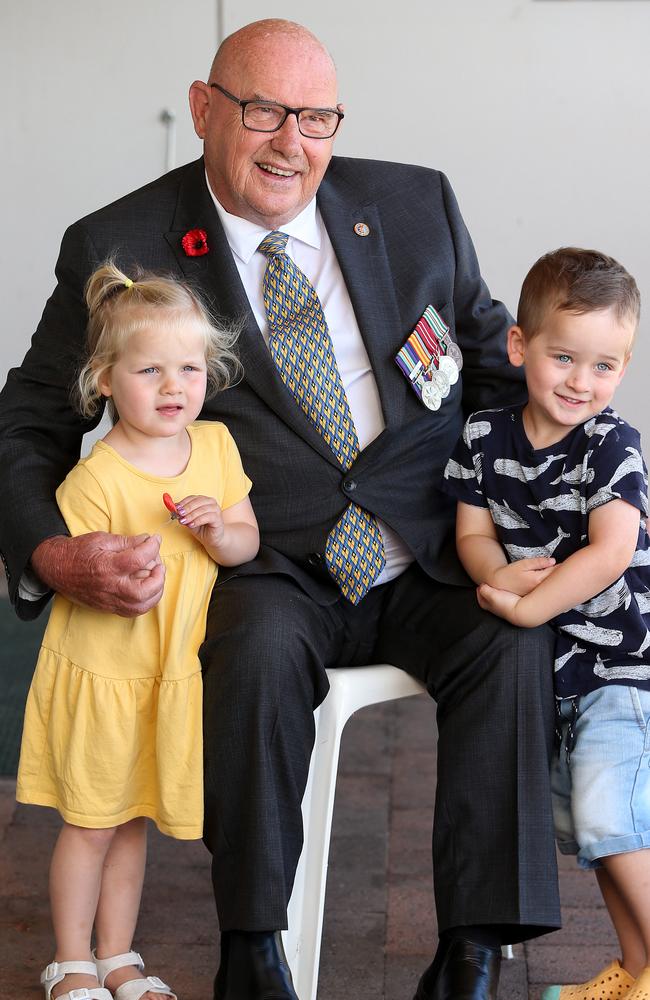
632 464
509 467
579 474
595 634
643 601
455 470
628 672
561 660
564 501
530 552
608 601
540 501
593 426
645 644
477 430
505 516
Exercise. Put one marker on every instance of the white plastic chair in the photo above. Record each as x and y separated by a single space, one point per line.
351 688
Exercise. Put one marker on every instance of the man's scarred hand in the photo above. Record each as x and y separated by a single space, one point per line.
114 573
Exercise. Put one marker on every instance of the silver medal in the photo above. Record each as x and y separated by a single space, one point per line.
454 352
441 380
431 396
449 367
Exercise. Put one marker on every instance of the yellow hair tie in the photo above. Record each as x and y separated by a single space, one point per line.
127 282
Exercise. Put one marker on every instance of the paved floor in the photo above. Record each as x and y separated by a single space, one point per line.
379 926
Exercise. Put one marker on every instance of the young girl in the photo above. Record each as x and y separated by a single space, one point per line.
112 729
553 502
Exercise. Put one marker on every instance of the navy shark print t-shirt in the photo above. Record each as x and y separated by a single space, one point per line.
540 501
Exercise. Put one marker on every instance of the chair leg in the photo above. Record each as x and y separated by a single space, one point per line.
307 904
350 690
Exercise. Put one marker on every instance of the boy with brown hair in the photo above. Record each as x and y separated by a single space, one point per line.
551 525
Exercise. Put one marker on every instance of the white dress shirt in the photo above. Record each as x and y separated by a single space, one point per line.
310 248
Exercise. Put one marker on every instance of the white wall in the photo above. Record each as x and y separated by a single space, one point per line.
537 110
82 86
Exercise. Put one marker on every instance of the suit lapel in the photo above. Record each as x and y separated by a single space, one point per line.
215 274
364 263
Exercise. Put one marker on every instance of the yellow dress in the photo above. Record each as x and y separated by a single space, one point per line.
113 726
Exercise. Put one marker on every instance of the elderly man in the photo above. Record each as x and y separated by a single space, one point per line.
345 418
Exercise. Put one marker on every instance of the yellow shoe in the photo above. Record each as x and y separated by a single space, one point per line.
612 983
641 988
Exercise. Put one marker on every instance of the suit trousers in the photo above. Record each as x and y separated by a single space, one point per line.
267 647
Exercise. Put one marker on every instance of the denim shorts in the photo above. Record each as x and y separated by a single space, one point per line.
601 796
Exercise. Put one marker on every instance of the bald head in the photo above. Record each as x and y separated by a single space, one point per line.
267 177
270 33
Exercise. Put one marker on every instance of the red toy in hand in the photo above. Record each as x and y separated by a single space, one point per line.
171 506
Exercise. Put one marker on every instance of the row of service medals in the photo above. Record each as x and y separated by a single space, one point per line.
430 359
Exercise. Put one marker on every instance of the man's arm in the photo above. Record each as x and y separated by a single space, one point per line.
40 441
40 432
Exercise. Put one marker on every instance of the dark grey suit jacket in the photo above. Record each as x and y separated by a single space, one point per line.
418 252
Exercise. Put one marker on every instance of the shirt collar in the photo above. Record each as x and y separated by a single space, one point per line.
244 237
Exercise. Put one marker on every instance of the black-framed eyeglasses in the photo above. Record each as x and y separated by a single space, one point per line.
267 116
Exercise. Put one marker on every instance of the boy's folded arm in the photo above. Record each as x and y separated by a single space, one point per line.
485 560
479 549
613 535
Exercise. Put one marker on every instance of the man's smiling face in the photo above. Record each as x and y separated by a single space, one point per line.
265 177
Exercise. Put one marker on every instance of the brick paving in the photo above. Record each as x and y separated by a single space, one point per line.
379 925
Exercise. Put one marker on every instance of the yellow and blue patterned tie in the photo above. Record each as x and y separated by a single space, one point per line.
301 347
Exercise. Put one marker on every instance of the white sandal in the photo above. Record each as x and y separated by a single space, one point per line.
57 971
134 989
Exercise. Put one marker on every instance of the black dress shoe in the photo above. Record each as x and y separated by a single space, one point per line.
461 971
253 967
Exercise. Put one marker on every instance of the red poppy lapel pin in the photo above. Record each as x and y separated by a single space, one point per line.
195 243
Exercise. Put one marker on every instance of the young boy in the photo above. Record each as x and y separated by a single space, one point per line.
552 527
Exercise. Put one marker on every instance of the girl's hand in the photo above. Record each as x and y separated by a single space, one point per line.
524 575
203 517
502 603
230 537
